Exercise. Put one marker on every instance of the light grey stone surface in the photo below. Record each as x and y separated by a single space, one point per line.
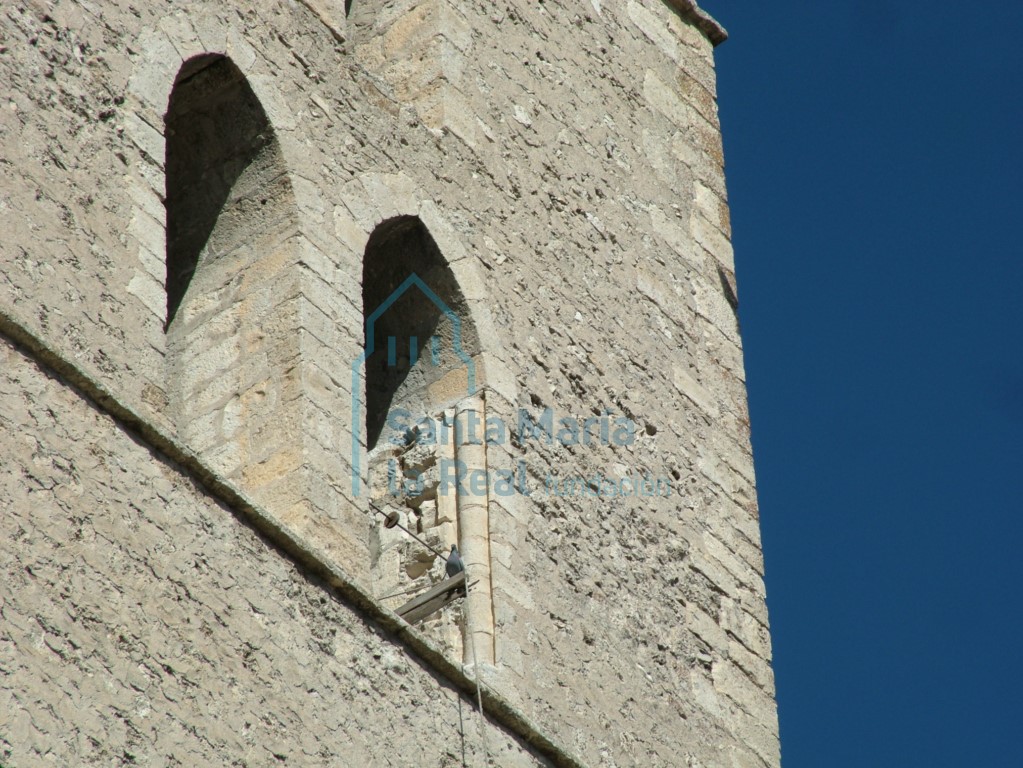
144 624
566 158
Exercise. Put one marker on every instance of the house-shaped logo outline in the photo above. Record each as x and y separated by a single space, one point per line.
359 362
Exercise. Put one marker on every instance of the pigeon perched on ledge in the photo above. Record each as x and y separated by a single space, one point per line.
454 564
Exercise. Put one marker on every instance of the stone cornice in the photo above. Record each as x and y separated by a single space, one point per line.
703 21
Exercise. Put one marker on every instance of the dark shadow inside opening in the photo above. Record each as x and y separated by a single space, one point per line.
413 338
215 128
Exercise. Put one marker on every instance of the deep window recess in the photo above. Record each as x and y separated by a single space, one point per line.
413 339
223 170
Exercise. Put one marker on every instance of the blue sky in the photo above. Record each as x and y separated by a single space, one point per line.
875 173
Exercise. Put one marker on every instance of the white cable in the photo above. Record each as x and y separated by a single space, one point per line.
476 665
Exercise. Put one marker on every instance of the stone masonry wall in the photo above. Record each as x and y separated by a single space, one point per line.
143 624
565 156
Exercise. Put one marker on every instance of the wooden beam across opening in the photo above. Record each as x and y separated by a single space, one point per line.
431 601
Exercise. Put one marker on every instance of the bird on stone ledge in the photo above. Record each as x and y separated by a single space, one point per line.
454 564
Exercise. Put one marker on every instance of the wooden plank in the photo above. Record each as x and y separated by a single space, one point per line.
431 601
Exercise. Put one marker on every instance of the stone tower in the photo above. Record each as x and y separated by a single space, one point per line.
295 295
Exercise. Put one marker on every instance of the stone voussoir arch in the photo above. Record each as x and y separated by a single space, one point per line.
385 196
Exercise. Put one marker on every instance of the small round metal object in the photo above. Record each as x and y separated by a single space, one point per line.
392 519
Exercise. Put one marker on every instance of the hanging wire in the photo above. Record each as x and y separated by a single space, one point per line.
414 536
465 625
461 728
476 665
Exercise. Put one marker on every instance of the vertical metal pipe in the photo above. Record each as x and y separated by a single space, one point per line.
474 526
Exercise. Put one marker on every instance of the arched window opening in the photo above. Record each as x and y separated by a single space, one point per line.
223 170
425 417
232 227
417 329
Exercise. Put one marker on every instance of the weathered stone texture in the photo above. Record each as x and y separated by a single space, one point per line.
143 624
566 158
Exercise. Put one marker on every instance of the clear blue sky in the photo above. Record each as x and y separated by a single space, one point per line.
875 167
